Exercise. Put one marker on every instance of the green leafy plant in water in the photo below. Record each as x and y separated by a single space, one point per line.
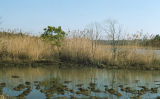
53 35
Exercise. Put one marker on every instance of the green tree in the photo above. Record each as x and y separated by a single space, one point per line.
53 35
157 37
154 41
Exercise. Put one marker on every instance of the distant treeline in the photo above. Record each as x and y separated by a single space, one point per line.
153 42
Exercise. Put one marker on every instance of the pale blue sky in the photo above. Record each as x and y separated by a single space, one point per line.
34 15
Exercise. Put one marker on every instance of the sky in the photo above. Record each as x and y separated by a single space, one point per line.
34 15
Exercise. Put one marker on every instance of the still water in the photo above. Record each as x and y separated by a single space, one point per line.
52 83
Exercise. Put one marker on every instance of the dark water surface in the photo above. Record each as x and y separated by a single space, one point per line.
51 82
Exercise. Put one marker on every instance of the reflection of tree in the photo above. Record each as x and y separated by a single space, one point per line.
113 79
75 75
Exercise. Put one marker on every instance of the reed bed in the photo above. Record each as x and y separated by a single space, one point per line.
83 50
17 47
80 49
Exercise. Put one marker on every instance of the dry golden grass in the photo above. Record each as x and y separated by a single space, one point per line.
23 47
85 51
17 47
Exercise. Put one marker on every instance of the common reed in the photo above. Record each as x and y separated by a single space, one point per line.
23 47
78 49
82 50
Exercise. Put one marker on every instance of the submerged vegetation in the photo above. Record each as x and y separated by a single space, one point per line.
89 83
82 47
54 88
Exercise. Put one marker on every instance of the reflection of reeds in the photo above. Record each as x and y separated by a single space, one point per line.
3 97
76 75
25 74
52 80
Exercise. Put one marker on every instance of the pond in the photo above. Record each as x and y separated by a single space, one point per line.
51 82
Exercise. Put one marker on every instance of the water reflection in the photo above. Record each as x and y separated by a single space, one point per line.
52 82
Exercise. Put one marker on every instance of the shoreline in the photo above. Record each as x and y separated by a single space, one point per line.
18 49
70 64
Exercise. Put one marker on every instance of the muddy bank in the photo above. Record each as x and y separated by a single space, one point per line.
71 64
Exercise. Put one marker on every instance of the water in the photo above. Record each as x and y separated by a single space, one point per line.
149 51
49 78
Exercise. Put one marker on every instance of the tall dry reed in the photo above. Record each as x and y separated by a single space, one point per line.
82 50
78 49
23 47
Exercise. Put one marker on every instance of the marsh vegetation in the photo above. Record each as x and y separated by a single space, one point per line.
119 50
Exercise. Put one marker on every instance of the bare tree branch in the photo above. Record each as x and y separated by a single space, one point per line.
114 32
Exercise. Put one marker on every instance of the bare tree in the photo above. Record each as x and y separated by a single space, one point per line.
113 31
94 34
